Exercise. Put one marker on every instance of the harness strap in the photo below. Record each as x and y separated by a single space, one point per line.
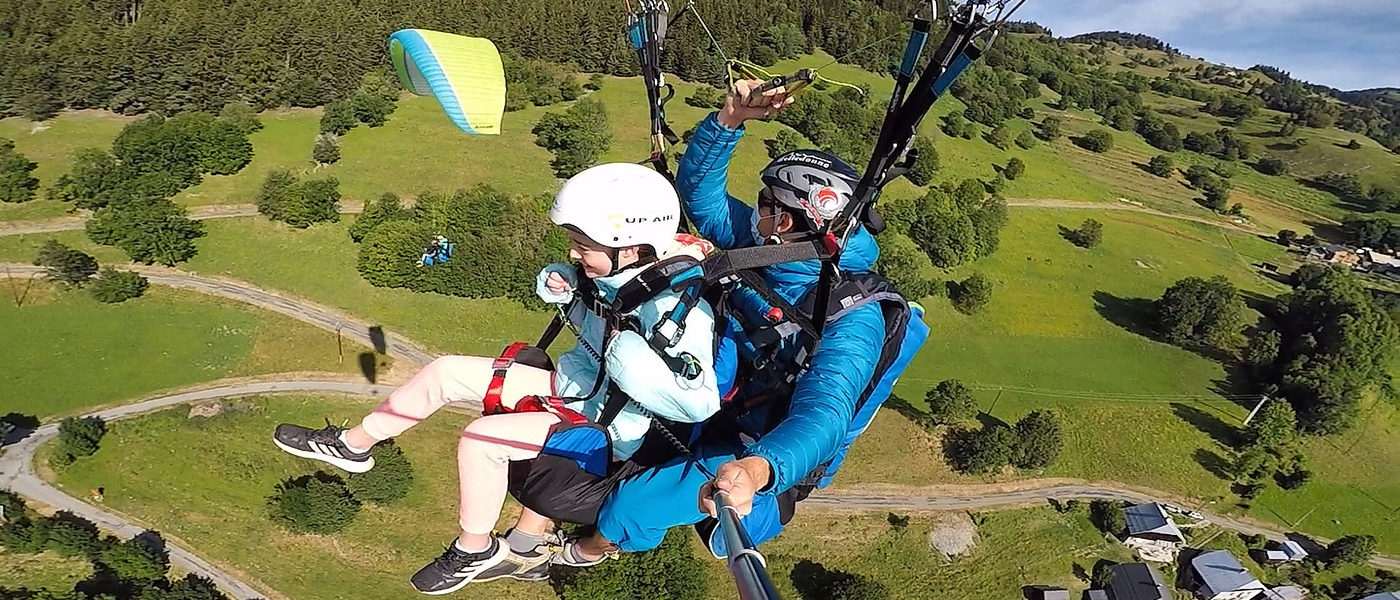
491 401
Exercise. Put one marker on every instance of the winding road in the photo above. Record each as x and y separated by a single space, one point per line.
302 310
17 469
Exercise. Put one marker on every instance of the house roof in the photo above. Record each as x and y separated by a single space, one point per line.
1384 596
1150 518
1137 581
1293 549
1219 571
1278 555
1381 258
1098 595
1052 593
1284 592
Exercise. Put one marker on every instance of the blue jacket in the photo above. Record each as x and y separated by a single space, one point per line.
825 396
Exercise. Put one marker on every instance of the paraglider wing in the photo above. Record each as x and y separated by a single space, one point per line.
464 74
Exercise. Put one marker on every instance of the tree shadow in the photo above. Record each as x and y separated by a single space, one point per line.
1281 146
811 579
152 540
987 420
1237 384
1309 545
105 582
915 415
24 426
1133 314
1207 423
1079 571
1326 231
378 340
1214 463
1182 581
369 366
1345 202
1144 167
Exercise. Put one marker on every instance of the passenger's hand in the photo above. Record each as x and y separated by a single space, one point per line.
556 283
742 105
740 479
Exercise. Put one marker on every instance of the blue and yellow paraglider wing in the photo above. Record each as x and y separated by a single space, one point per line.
463 73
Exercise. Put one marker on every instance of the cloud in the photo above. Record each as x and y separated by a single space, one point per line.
1346 43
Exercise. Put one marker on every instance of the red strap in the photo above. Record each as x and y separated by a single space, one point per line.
491 402
550 404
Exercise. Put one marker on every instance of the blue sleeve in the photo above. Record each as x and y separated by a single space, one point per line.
824 400
701 179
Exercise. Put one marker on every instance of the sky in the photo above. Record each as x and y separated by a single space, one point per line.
1346 44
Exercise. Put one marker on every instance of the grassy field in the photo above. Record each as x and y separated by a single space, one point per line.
67 353
52 145
213 500
46 571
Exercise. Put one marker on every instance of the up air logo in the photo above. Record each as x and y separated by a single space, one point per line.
656 219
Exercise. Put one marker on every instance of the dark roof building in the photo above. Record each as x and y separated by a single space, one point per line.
1151 521
1137 581
1384 596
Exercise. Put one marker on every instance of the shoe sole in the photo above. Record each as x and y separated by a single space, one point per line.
340 463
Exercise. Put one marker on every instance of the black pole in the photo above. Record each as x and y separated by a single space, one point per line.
745 563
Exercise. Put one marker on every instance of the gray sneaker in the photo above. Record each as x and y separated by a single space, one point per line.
528 566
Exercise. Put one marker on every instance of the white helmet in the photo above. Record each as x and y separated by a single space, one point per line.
620 205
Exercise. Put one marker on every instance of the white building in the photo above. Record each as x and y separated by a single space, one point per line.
1152 533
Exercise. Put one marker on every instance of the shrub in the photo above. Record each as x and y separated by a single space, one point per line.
299 203
136 559
1098 140
577 136
317 503
925 162
669 571
327 149
150 230
1160 165
1198 311
951 402
17 184
114 286
241 115
1051 128
388 482
386 208
1287 237
706 97
1000 136
1014 168
1039 440
786 141
979 450
1088 235
338 117
80 436
73 536
595 82
1108 516
1351 550
1353 145
1026 139
971 294
65 265
1271 165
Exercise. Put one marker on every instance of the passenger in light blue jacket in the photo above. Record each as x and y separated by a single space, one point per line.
604 394
761 459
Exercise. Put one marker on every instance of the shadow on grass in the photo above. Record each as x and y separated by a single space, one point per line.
1342 202
1213 462
816 582
24 425
1133 314
915 414
1207 423
1236 385
1329 232
369 367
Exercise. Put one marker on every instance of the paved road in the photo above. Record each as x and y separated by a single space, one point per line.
17 469
302 310
198 213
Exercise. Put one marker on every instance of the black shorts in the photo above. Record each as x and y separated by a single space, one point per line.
558 488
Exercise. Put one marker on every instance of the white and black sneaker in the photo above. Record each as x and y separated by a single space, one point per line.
324 445
455 569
